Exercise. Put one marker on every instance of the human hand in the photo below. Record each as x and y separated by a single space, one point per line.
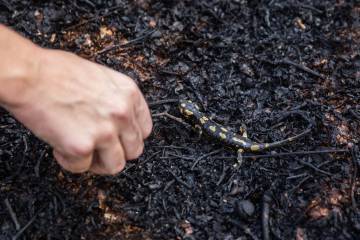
95 118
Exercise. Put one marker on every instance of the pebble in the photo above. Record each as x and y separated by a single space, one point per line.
245 208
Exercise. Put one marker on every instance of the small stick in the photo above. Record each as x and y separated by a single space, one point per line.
245 228
180 181
301 67
160 102
111 11
7 5
297 176
91 4
166 114
354 114
12 214
178 156
311 8
355 159
20 232
170 146
265 217
297 153
171 73
223 175
307 177
110 48
315 168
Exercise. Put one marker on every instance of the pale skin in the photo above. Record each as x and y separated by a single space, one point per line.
94 118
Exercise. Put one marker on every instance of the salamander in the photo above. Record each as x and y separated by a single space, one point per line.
192 112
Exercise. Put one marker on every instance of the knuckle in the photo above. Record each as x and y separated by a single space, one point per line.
133 91
68 163
80 148
107 132
122 113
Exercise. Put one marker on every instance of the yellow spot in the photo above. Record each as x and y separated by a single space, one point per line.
188 112
203 120
267 145
212 128
239 140
222 135
224 129
255 147
240 150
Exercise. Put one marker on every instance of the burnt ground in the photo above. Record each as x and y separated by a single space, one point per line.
244 62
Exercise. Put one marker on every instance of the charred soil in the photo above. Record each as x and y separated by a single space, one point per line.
244 62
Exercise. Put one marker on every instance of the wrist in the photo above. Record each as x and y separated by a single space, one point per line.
18 73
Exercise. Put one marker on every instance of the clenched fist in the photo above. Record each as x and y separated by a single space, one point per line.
95 118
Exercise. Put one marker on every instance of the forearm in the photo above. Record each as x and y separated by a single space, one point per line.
19 60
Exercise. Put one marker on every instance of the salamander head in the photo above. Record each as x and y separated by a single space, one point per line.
188 108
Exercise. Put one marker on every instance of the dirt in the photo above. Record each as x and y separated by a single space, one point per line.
243 62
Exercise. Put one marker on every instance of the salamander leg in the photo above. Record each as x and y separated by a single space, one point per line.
239 159
198 129
243 131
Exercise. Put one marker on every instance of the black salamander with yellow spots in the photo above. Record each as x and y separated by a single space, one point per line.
192 112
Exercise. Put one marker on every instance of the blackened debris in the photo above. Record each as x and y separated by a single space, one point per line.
246 62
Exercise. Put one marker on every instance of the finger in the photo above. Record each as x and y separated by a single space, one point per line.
143 117
142 113
73 164
109 158
130 136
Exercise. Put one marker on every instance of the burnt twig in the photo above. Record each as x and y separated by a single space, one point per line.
7 5
113 47
180 181
166 114
297 153
110 11
354 114
315 168
160 102
297 176
12 214
301 67
311 8
307 177
178 156
20 232
355 160
90 3
245 228
266 216
223 175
